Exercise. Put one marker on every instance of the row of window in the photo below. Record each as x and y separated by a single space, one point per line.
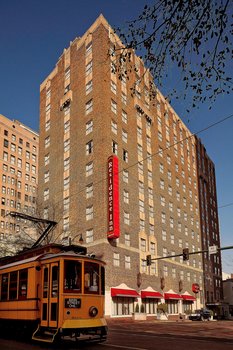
13 148
14 138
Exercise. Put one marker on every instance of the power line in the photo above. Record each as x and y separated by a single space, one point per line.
225 205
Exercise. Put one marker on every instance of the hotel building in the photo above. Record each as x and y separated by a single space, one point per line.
18 180
120 170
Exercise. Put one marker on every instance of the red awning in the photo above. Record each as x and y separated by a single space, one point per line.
130 293
188 297
172 296
149 294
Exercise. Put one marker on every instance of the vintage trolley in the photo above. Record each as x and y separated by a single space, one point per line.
53 292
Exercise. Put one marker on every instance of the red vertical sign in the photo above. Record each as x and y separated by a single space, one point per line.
113 198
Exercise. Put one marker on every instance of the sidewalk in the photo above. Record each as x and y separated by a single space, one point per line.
214 330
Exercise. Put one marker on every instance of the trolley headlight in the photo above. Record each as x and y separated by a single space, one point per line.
93 311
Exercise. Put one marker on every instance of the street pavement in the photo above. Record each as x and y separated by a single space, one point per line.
213 330
126 334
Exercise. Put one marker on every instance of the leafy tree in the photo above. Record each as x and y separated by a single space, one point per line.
193 36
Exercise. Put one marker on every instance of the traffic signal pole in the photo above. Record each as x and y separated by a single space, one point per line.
190 253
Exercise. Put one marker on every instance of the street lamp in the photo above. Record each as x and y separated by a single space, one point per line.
81 240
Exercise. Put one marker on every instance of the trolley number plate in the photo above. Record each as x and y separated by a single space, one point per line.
73 303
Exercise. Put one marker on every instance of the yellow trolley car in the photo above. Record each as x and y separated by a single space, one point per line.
53 292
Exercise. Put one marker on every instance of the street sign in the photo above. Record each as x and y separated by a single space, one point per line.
213 249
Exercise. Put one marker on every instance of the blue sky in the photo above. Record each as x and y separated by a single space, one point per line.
33 35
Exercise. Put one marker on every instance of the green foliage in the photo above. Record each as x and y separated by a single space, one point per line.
162 308
142 308
188 312
136 308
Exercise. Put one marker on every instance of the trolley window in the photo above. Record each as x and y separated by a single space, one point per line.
4 289
46 282
23 284
102 280
91 278
54 291
13 285
72 276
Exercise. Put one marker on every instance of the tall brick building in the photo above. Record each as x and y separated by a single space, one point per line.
113 167
212 265
18 180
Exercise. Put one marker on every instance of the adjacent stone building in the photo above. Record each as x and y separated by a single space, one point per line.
120 170
18 180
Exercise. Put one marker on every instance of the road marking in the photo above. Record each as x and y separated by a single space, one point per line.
123 347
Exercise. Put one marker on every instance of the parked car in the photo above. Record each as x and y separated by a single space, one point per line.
200 315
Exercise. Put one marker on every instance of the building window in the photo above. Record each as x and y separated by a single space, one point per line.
66 224
151 229
152 248
88 49
124 117
139 149
66 204
126 218
125 156
46 194
141 206
46 159
89 107
47 141
89 236
66 164
162 200
141 187
113 87
89 68
89 191
66 183
143 265
67 126
125 176
114 147
89 213
46 176
67 73
89 87
89 127
124 136
89 147
126 196
27 167
127 262
127 239
116 259
114 127
66 145
89 169
165 270
123 98
164 235
140 168
143 244
114 106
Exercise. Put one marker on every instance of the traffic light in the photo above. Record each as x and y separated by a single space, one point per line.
148 260
185 254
